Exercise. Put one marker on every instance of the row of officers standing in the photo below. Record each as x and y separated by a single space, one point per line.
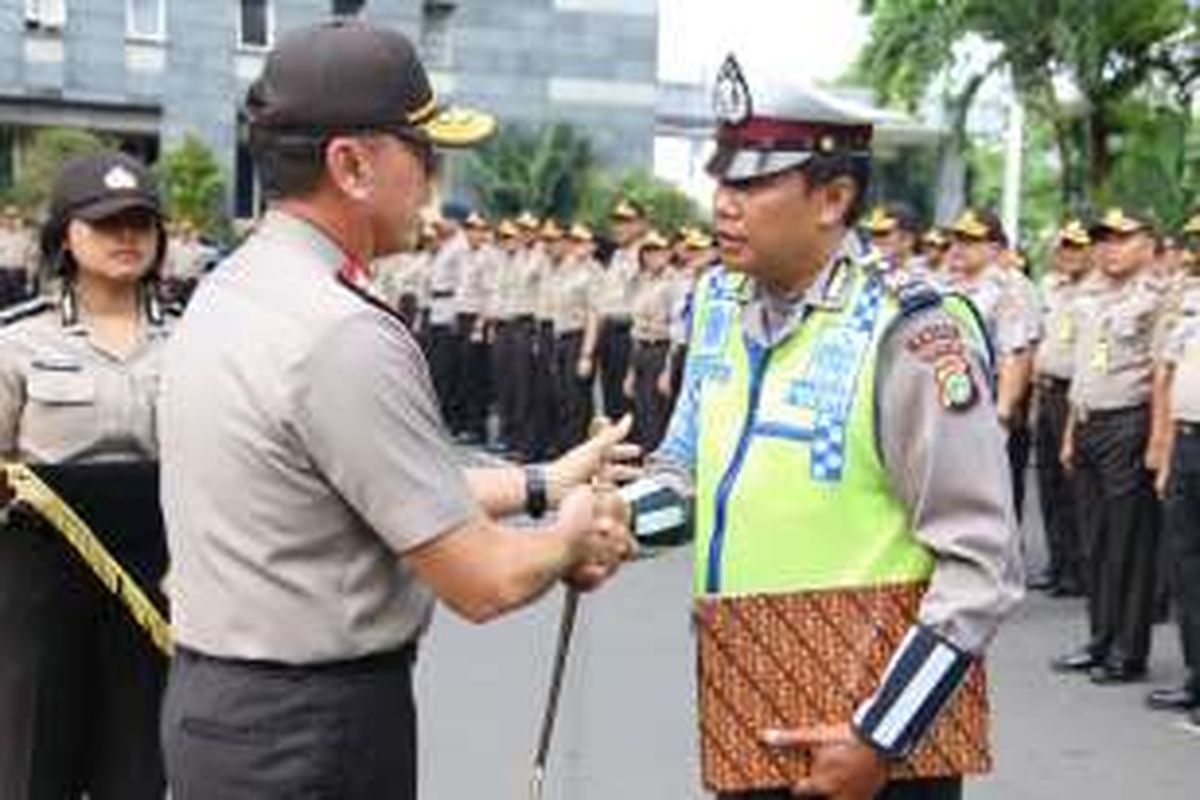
1098 373
526 318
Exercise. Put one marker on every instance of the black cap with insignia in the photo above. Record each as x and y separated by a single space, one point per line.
95 187
344 76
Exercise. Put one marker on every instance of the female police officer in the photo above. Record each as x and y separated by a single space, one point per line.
79 682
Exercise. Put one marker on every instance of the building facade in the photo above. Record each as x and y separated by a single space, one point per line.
149 72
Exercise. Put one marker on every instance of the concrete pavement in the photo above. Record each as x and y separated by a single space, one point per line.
626 723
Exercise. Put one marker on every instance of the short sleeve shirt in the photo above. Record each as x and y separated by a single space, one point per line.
302 455
63 399
1182 350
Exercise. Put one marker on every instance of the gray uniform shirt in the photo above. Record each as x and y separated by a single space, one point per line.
302 452
1183 352
1056 350
948 467
63 399
1003 307
1114 350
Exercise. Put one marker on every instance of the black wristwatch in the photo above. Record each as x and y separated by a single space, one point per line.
536 501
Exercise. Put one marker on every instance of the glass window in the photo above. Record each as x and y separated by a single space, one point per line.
256 23
144 19
45 13
347 8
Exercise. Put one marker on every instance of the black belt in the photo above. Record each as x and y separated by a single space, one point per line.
439 294
1189 429
1103 414
398 658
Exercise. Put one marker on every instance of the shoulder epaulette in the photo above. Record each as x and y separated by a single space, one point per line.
912 291
25 309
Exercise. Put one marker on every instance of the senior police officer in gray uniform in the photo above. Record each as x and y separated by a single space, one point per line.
792 168
1106 444
313 501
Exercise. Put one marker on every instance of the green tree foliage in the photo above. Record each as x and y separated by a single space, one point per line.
667 207
541 171
48 149
193 185
1109 51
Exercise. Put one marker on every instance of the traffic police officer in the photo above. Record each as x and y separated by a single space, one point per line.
1106 444
1053 366
1180 482
835 448
314 504
80 684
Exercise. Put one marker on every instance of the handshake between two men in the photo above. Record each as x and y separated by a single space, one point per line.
484 567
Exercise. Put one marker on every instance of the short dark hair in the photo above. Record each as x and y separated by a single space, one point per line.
289 165
823 169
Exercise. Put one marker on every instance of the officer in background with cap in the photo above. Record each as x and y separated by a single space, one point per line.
1053 366
313 500
1012 319
80 682
615 295
835 449
446 345
1178 480
511 336
18 252
1106 444
474 382
895 232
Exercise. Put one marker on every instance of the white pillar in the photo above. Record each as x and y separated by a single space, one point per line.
1013 151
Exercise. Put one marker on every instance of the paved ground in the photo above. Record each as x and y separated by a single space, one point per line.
626 726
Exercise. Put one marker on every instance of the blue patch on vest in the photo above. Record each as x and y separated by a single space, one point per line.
829 380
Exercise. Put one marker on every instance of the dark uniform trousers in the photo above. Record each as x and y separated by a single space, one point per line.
514 382
13 288
409 309
1118 521
1183 543
444 367
474 386
926 789
241 730
544 400
80 685
612 359
1018 446
651 409
1054 488
574 393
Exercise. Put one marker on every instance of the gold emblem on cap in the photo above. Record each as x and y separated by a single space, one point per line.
1192 226
1074 233
968 224
880 221
119 178
731 94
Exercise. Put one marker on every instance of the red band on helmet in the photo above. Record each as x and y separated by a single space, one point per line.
766 133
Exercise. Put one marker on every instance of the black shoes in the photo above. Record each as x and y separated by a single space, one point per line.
1078 661
1178 698
1118 672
